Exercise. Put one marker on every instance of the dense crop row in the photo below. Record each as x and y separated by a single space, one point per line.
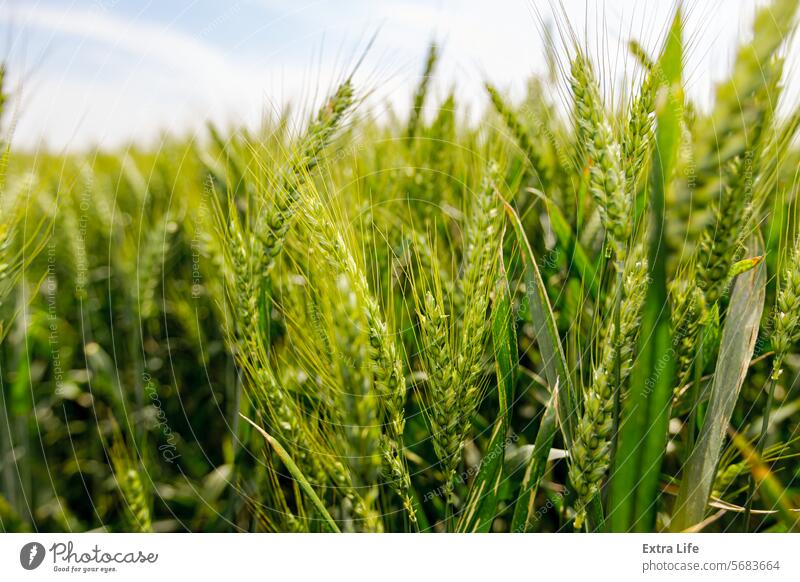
536 322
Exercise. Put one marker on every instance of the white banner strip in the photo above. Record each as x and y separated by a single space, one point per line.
390 557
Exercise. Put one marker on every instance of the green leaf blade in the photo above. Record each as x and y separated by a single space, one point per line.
297 474
736 351
546 332
525 507
481 507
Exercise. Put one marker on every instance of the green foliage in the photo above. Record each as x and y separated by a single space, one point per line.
531 321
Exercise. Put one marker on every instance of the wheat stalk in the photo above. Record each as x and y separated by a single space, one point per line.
590 453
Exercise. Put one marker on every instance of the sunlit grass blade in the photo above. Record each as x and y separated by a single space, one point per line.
775 494
481 507
525 504
577 258
545 330
739 336
297 474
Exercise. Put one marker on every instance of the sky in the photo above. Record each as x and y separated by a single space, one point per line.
88 73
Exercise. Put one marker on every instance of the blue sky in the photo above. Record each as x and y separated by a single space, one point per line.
110 71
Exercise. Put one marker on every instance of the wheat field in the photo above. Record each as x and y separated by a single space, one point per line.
577 313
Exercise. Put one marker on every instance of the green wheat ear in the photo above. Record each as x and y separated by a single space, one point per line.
131 487
603 155
482 246
638 136
436 348
422 91
387 367
786 330
590 453
515 126
282 201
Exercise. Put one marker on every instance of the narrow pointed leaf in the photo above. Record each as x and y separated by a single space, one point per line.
738 342
775 495
525 507
297 474
545 330
481 507
577 259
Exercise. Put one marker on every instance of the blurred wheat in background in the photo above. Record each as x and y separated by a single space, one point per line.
580 311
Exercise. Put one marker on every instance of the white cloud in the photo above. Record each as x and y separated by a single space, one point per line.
173 49
132 77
